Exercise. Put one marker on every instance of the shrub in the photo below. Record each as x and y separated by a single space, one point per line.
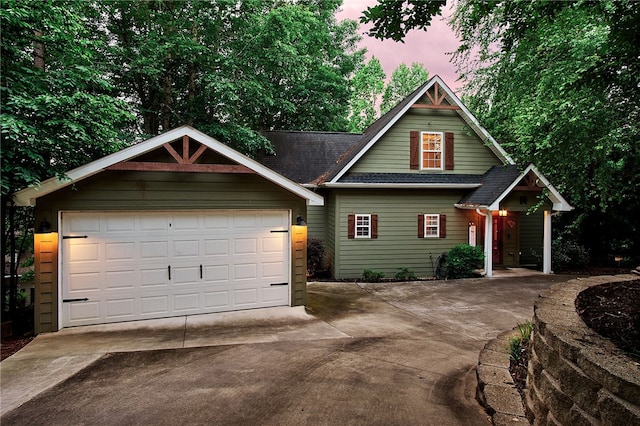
315 256
463 260
568 254
405 274
371 276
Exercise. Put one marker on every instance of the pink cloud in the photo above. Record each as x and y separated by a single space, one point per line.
429 48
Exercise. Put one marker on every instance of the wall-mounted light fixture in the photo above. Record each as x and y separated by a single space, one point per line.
502 213
300 221
44 227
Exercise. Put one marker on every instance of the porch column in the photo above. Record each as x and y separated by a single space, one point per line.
546 243
488 244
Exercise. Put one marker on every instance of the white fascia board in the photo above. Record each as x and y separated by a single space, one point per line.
464 111
28 196
481 131
403 185
559 203
383 131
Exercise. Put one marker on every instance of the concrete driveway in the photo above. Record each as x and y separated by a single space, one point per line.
392 354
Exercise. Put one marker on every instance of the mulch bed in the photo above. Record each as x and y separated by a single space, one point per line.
613 311
11 345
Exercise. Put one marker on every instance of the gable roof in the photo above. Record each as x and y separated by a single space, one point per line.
304 156
377 129
499 181
28 196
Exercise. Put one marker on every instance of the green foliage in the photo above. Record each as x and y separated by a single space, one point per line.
368 85
518 344
393 20
315 255
567 254
405 274
371 276
555 83
462 260
404 81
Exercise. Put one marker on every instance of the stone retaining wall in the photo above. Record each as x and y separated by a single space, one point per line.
577 377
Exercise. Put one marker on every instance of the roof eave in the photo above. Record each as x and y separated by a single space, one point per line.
28 196
403 185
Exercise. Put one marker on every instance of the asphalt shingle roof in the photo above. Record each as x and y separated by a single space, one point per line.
412 178
305 156
494 182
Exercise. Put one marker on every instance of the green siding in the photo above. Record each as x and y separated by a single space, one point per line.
142 191
531 237
317 222
391 153
397 245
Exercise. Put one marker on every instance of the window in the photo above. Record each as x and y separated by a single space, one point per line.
431 150
432 144
362 226
432 226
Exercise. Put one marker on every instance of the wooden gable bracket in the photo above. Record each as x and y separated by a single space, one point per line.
528 183
185 162
436 100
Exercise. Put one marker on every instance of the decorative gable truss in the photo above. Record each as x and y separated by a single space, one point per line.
185 162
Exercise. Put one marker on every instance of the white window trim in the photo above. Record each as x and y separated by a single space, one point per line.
422 151
367 227
427 227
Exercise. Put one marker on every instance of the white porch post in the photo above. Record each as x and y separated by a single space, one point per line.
488 244
546 243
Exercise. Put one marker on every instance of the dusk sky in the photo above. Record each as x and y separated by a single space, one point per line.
427 47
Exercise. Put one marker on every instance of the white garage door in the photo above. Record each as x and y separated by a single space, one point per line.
123 266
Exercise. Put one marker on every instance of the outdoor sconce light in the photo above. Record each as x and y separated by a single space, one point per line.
502 213
300 221
44 227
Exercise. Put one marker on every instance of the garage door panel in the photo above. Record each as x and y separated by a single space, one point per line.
118 251
81 253
219 261
84 311
121 279
121 308
154 305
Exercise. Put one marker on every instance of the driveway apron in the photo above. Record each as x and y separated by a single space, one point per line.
361 354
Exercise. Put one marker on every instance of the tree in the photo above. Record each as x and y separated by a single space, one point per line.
57 108
556 83
200 63
368 85
393 19
404 81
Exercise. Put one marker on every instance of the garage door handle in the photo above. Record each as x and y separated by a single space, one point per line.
274 231
200 271
169 270
68 237
274 284
75 300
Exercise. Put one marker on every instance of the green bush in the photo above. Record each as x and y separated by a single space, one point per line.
371 276
405 274
315 256
567 254
463 260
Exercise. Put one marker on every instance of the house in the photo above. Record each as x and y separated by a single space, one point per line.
423 178
181 224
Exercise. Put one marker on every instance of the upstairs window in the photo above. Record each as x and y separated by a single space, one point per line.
431 150
432 144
